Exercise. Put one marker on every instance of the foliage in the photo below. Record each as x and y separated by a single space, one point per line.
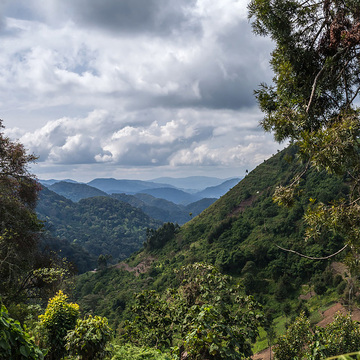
153 324
339 337
101 225
313 99
15 342
247 228
73 252
293 344
19 226
204 318
89 339
300 342
130 352
156 239
60 317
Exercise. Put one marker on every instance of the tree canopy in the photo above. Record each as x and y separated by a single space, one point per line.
19 226
25 271
313 98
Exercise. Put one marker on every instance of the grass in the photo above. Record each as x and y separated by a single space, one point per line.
262 340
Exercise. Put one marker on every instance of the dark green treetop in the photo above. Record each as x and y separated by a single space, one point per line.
312 100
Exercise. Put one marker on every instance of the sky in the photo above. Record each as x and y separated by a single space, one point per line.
133 89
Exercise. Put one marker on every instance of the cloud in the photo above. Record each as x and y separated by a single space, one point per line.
234 156
176 81
185 140
153 17
211 68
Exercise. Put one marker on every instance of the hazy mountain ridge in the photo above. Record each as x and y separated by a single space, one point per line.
218 190
111 186
165 210
164 204
75 191
193 183
198 186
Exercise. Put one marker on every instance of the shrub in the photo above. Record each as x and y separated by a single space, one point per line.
89 339
15 342
60 316
130 352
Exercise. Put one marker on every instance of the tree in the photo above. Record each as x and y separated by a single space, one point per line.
60 317
205 318
89 339
312 99
300 342
19 226
155 239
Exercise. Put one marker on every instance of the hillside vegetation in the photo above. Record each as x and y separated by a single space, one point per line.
239 234
101 225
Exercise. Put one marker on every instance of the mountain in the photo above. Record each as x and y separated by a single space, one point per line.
240 234
199 206
156 208
218 190
101 187
171 194
197 183
124 186
164 210
53 181
75 191
101 225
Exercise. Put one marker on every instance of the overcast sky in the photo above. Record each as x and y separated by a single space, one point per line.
133 88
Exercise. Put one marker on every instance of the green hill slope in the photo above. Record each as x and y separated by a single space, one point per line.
75 191
102 225
239 233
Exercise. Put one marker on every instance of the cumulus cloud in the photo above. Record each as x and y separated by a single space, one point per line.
176 79
185 141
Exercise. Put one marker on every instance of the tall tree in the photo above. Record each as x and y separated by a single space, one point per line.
312 100
20 259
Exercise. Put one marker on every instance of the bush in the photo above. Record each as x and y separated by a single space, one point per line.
15 343
300 342
129 352
60 317
89 339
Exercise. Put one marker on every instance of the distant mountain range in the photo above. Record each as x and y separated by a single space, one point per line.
159 200
191 183
75 191
112 186
178 190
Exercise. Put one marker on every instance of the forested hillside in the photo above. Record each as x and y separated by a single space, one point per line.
156 208
239 234
101 225
75 191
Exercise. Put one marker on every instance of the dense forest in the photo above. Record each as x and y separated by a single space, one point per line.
101 225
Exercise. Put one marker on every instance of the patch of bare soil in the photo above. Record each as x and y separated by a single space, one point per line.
263 355
140 268
243 205
307 296
339 268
